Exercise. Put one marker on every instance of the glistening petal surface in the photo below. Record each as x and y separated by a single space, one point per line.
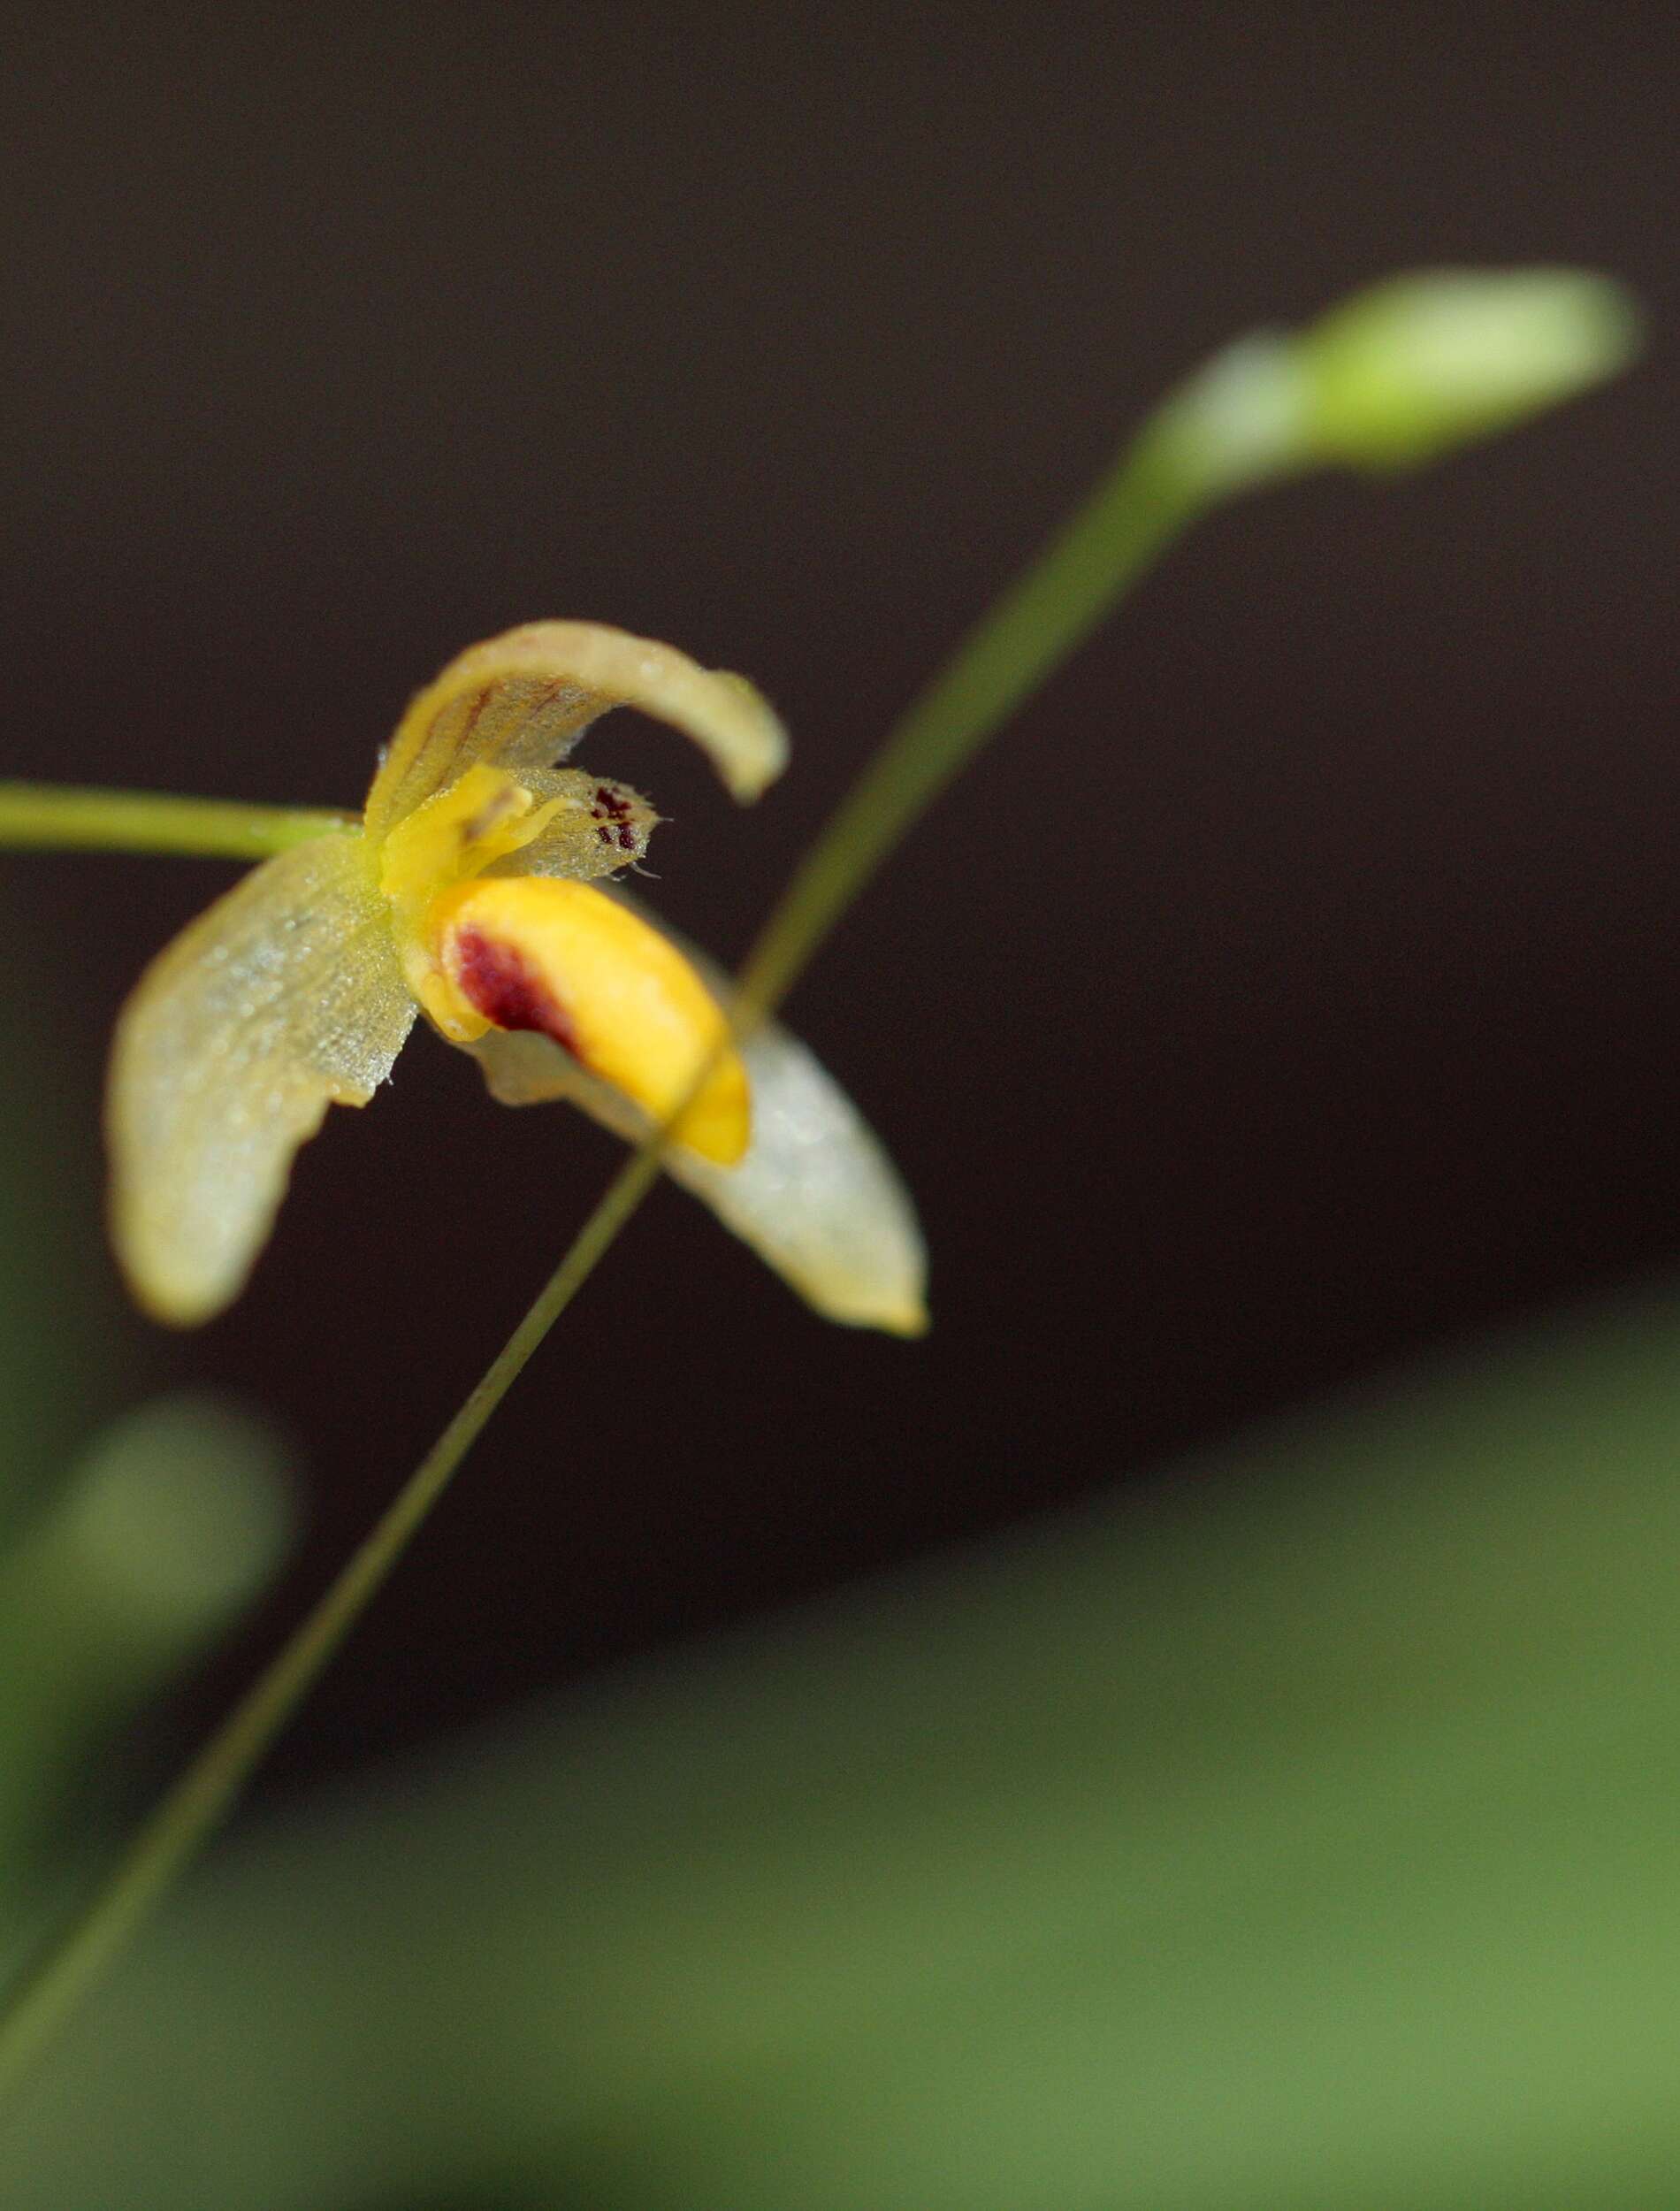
523 699
283 998
815 1194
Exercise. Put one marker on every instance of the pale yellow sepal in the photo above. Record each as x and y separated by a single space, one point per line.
533 953
285 996
523 699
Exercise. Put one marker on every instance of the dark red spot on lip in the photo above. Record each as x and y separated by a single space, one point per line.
506 990
627 838
612 802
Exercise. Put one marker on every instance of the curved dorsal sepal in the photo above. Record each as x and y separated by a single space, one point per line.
522 701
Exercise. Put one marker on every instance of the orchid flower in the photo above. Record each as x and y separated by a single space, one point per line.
472 891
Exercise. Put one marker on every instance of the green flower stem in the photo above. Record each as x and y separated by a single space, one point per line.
50 816
1258 412
1133 516
195 1805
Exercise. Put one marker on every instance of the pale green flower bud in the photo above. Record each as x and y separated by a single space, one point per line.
1413 366
1402 371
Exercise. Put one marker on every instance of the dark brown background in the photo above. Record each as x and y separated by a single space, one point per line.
1293 988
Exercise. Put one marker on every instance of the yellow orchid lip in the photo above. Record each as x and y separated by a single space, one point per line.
466 891
511 992
522 953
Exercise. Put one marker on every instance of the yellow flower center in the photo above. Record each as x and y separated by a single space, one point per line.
535 952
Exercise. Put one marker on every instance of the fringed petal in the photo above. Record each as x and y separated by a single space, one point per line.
286 996
522 701
597 827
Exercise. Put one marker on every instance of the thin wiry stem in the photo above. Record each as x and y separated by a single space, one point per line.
198 1802
1233 426
48 816
1135 513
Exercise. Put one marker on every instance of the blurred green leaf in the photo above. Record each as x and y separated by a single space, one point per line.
1306 1839
58 1305
173 1518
